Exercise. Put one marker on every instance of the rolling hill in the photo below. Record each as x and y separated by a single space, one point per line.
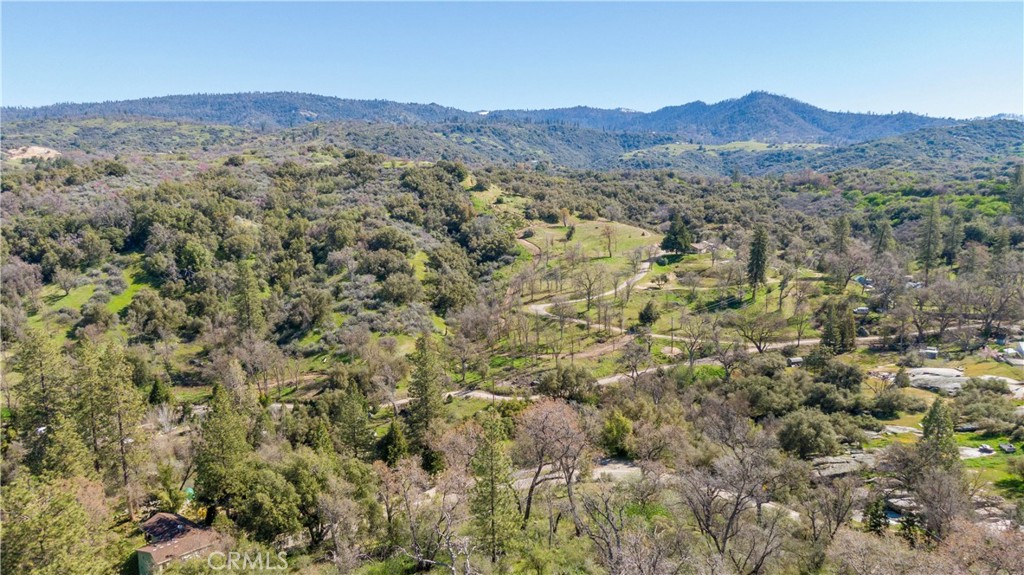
757 134
757 116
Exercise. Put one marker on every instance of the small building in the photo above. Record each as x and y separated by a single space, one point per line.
794 361
173 537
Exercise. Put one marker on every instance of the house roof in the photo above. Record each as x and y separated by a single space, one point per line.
172 536
163 526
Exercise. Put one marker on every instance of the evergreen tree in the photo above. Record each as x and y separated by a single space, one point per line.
1017 193
757 262
875 519
930 240
839 328
171 498
65 454
831 338
246 299
426 388
393 446
47 531
94 399
902 379
840 236
847 330
938 444
353 429
884 240
126 409
911 529
42 391
678 237
493 501
1000 244
160 392
223 454
268 506
953 239
320 437
649 314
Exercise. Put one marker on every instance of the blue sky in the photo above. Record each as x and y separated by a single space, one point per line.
942 59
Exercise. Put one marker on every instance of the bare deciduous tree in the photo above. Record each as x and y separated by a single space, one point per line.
589 281
546 432
634 358
757 328
694 332
609 233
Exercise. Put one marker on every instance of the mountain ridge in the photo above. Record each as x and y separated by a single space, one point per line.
759 116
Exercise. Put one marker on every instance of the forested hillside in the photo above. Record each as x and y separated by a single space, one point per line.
954 151
757 116
458 347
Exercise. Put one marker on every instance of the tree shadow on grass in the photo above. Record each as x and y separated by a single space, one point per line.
53 298
1013 486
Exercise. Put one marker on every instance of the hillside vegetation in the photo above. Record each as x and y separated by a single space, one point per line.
757 116
458 347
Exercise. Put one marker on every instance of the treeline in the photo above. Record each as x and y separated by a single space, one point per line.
757 116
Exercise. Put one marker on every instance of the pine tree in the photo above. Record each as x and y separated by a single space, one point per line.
65 454
159 393
171 498
911 530
839 328
42 391
678 237
938 443
94 398
757 263
1017 193
493 500
320 437
930 240
1000 244
883 237
126 410
649 314
393 446
953 239
841 236
48 531
426 388
875 519
831 336
223 454
247 302
847 330
353 429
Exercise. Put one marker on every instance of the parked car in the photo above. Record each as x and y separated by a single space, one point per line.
1007 448
986 448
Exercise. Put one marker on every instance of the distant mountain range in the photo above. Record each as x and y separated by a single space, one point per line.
758 134
758 116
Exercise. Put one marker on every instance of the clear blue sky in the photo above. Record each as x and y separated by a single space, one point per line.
942 59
